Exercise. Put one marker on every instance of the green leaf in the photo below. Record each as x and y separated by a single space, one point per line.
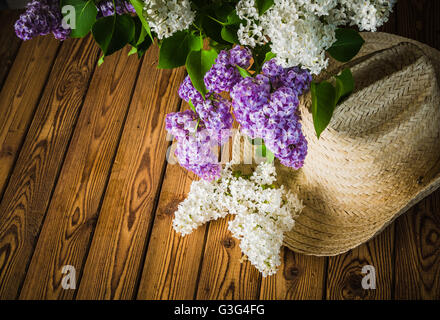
347 45
269 56
139 34
244 73
323 105
140 41
132 51
263 5
229 34
85 16
143 47
223 12
270 157
139 8
256 141
101 60
213 30
344 85
218 46
191 105
175 49
260 53
263 151
232 18
197 64
113 33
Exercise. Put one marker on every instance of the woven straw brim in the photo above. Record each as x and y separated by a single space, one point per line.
380 154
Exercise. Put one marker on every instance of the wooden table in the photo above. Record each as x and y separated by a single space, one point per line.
84 182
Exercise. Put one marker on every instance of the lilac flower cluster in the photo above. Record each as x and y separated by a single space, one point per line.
214 111
266 107
44 17
296 78
224 75
214 119
106 8
41 18
187 92
194 144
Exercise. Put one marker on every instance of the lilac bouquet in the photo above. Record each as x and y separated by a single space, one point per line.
261 59
265 106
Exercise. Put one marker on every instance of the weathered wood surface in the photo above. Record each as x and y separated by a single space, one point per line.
29 190
73 211
84 181
113 264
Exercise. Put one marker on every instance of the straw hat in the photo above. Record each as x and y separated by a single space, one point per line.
380 153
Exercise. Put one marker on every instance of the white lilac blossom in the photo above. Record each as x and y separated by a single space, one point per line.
166 17
250 32
263 213
365 14
300 31
298 37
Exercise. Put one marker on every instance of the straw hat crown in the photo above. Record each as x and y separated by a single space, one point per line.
380 153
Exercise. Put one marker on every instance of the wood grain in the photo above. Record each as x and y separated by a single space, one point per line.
73 210
9 42
19 98
417 232
223 275
419 20
30 187
344 275
417 266
106 188
114 261
299 277
172 262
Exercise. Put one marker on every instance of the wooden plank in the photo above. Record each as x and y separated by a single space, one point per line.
172 262
223 275
344 275
65 237
114 262
299 277
19 97
418 20
29 190
9 42
417 265
417 259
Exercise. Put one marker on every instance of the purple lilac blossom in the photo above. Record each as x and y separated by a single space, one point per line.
296 78
249 96
274 116
215 112
265 107
105 8
224 75
41 18
188 92
194 144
